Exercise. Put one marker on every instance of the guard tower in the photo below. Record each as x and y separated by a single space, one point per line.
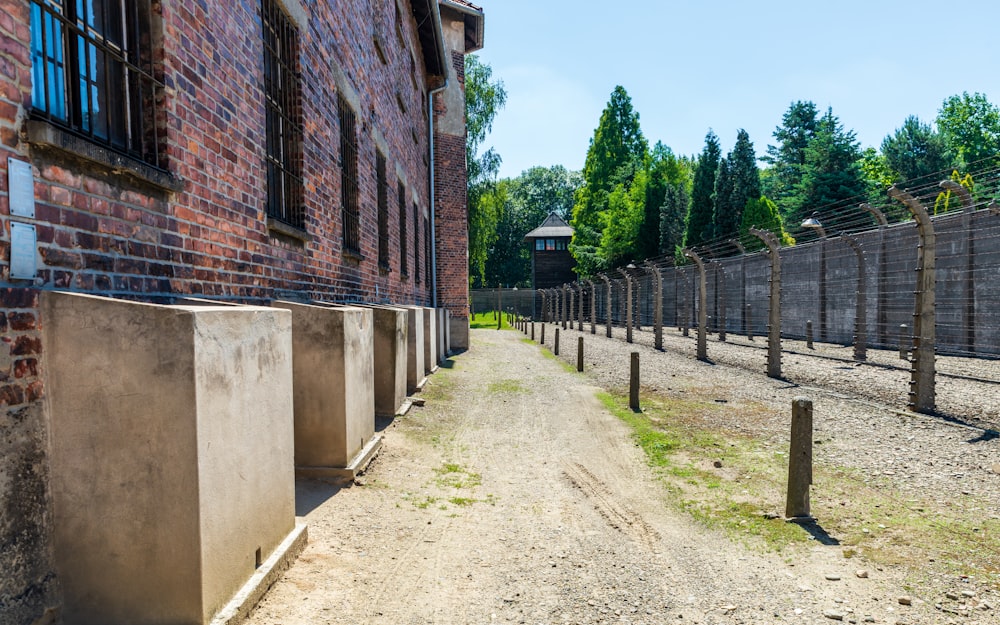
551 263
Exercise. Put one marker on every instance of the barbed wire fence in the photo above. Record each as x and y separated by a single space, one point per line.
915 275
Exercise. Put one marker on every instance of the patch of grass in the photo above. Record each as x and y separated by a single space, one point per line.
462 501
455 476
505 386
486 321
546 353
735 483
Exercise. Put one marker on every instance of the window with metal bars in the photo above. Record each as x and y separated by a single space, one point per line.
403 268
283 121
416 243
93 74
382 186
349 175
427 250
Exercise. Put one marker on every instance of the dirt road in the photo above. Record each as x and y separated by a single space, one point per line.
514 497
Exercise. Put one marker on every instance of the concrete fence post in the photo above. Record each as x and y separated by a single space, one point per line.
628 305
633 384
571 301
720 300
607 320
579 313
544 311
860 303
800 474
686 311
905 340
555 343
657 305
579 353
702 350
809 334
565 307
881 305
593 306
774 303
922 366
748 320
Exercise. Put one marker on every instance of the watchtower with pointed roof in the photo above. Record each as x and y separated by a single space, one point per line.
551 263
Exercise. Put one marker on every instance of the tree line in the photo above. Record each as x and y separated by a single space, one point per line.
634 201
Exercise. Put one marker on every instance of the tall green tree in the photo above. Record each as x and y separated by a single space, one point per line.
623 219
915 150
616 154
787 159
742 184
698 224
484 97
723 192
664 170
971 127
762 214
832 180
676 201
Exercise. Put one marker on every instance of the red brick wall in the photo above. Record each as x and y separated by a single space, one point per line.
99 233
452 211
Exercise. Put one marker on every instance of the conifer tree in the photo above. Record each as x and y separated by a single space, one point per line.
698 225
788 158
722 198
762 213
915 150
832 179
672 212
743 185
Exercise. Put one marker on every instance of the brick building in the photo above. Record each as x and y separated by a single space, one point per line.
244 151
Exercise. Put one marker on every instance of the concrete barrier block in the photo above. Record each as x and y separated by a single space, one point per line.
442 333
390 344
171 449
334 385
430 340
415 371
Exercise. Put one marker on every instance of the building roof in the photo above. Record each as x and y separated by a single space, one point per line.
553 227
473 17
428 17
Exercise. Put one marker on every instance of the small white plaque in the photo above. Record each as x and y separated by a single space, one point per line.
23 253
21 186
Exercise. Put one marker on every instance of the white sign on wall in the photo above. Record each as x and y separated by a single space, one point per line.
23 254
21 186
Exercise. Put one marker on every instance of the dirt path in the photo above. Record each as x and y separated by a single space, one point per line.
514 497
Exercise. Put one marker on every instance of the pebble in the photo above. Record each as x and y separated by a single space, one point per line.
862 574
905 600
833 577
834 615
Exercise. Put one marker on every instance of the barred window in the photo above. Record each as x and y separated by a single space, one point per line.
282 93
92 73
416 243
349 175
403 269
382 186
427 250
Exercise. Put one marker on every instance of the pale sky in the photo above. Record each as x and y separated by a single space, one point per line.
725 65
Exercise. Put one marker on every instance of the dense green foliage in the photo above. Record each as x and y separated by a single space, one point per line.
673 210
698 223
971 128
788 158
915 151
736 184
762 214
484 97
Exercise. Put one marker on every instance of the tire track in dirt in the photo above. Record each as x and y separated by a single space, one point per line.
617 514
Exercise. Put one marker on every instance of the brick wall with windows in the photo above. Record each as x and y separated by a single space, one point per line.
191 185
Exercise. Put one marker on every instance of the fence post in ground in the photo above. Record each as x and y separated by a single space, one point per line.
774 303
532 330
633 383
800 460
637 304
579 353
564 313
970 255
905 340
657 305
881 320
809 334
748 320
593 306
922 363
555 343
542 341
544 311
628 305
861 302
720 300
686 312
579 313
702 304
607 320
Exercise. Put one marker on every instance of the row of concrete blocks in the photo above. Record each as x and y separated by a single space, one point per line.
176 431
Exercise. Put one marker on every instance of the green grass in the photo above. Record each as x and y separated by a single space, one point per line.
486 321
505 386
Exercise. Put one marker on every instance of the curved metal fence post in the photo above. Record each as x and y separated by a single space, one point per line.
922 362
861 303
774 303
702 302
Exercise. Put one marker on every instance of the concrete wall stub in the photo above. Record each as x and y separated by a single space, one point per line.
171 452
430 339
334 383
414 347
390 344
442 335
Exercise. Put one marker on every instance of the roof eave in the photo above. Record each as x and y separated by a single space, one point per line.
474 24
431 35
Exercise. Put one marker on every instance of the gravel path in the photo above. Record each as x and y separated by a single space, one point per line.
514 497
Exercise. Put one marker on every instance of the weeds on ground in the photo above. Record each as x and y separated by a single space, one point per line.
486 321
737 484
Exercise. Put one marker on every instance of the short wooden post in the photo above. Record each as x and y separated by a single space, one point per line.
555 344
800 472
579 354
633 385
542 342
532 330
809 334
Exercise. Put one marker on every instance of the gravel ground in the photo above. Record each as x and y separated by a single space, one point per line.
514 497
859 410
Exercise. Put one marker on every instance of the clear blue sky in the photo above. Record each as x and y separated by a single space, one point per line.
727 64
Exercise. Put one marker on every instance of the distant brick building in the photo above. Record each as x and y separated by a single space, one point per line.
551 263
243 151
